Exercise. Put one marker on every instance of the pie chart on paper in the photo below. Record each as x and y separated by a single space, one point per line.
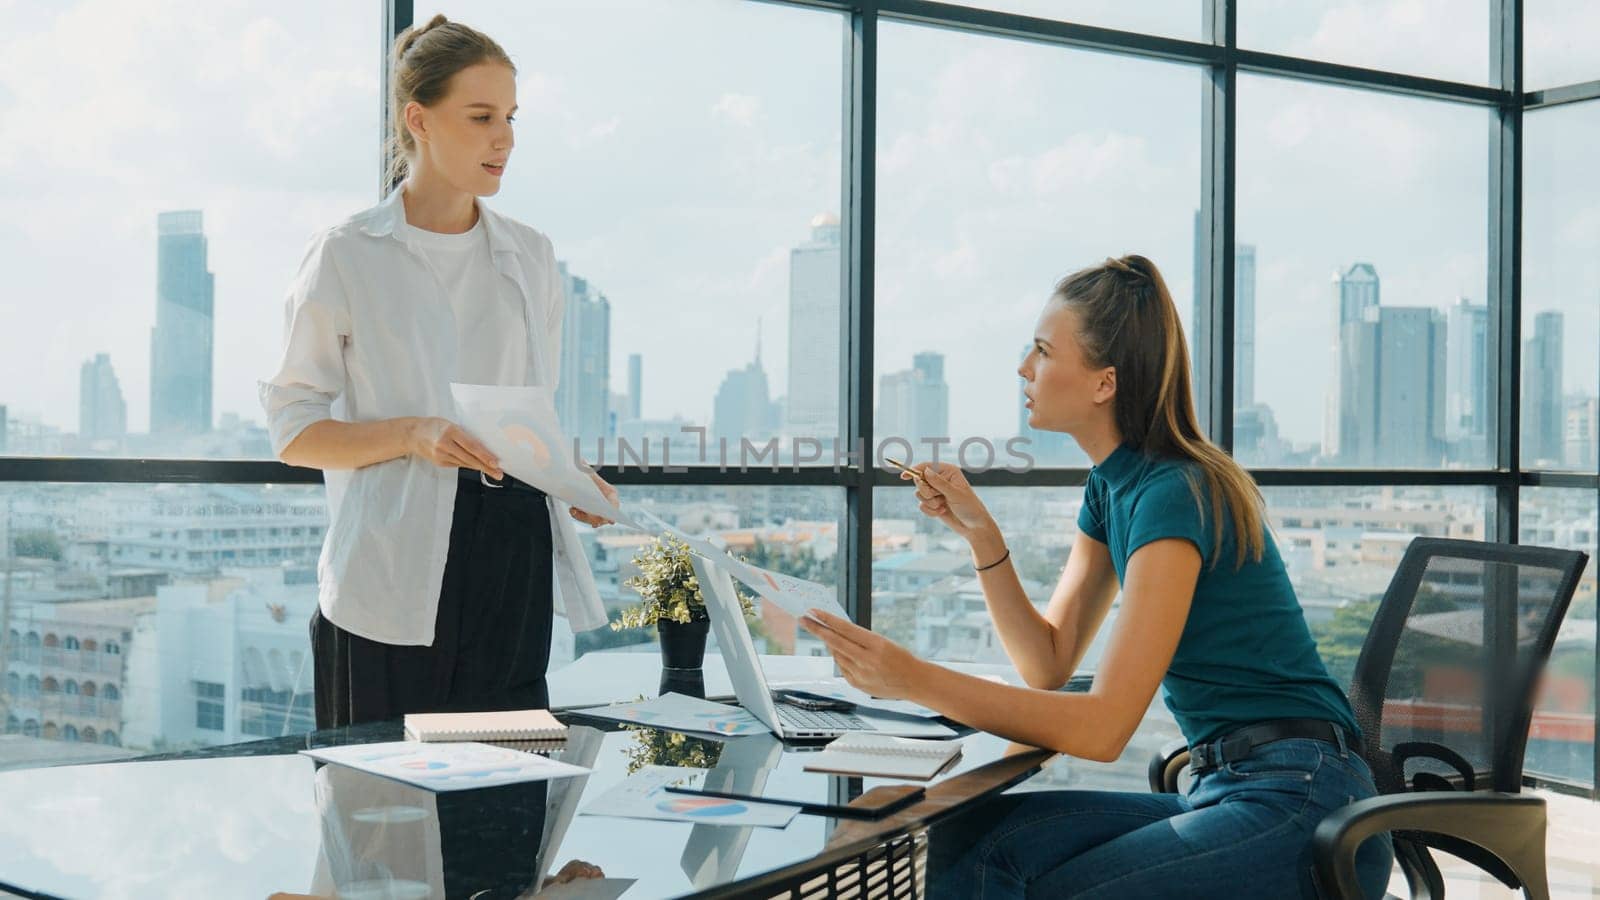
702 807
527 438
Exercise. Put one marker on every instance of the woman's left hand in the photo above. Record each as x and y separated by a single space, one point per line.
592 519
867 660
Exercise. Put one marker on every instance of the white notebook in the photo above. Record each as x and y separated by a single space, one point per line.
886 756
512 725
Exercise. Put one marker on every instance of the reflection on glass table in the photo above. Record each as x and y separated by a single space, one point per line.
253 819
265 820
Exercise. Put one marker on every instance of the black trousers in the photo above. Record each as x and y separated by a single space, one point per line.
491 640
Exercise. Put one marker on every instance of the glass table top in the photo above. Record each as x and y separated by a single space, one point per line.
257 819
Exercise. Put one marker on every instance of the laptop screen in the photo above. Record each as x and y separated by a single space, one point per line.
733 636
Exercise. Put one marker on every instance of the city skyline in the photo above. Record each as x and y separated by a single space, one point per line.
973 184
1434 411
178 619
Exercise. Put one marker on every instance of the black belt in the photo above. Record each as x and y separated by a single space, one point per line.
482 481
1239 743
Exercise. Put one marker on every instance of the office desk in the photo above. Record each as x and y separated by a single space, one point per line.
252 819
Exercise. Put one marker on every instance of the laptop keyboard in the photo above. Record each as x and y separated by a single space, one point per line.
821 720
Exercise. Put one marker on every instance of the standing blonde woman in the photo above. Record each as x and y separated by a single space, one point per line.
1208 615
439 575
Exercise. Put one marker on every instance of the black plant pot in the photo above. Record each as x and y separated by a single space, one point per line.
683 652
683 644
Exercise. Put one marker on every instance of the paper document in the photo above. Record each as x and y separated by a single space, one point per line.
446 767
679 712
654 524
793 595
520 427
642 796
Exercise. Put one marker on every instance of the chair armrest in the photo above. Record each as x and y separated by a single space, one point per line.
1165 765
1509 827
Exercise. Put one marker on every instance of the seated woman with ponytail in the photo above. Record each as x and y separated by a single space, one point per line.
1207 614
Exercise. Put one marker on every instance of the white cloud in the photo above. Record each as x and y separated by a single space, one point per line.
599 131
1558 41
960 261
1582 231
1105 161
740 109
1437 38
1290 126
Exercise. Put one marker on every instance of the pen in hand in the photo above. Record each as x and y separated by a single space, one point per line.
904 468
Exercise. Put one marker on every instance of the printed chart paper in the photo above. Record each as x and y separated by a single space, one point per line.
793 595
520 427
643 796
447 766
679 712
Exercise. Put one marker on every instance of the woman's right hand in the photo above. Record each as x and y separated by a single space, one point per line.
946 495
444 443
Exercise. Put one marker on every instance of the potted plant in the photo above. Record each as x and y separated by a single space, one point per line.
671 601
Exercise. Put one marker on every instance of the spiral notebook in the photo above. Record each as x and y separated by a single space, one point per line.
886 756
528 725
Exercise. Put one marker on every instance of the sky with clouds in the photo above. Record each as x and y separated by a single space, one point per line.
675 152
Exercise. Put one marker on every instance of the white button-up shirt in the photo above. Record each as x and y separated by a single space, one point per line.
371 335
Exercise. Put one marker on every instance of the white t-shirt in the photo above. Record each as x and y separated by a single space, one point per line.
491 328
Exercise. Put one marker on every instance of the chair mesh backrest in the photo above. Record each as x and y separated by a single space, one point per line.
1453 658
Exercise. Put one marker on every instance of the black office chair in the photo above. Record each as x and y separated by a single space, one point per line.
1444 691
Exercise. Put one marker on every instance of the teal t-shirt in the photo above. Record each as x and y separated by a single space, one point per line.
1246 654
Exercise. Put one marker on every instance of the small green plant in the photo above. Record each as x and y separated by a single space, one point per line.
655 747
667 585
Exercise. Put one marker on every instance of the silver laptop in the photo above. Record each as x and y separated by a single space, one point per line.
750 682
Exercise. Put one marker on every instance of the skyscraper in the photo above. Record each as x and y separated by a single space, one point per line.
1355 291
180 343
635 386
584 392
1393 387
743 408
101 410
1244 326
1244 321
1358 292
1466 405
1583 430
1543 418
914 405
1255 436
813 404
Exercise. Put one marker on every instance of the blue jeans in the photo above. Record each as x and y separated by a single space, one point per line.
1243 830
